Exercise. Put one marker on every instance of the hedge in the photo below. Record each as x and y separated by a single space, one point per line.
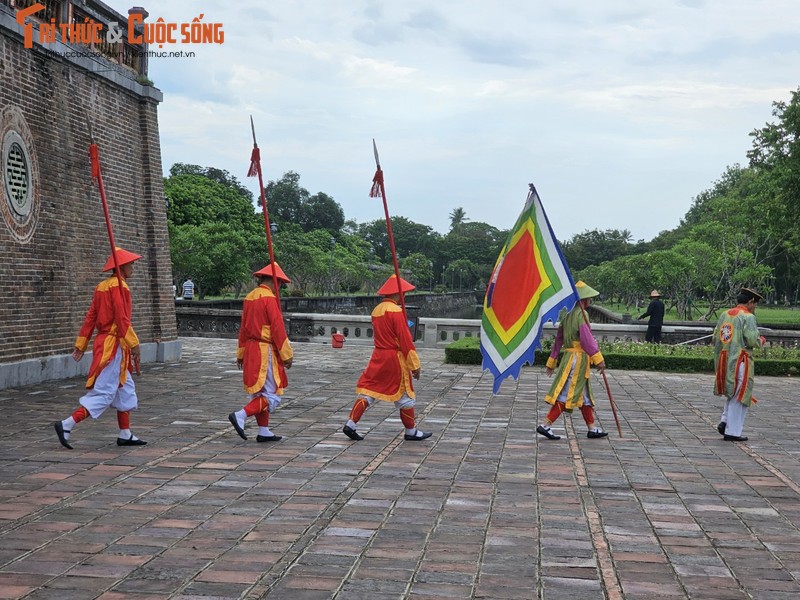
467 352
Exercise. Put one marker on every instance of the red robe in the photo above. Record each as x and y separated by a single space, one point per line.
262 326
388 374
112 318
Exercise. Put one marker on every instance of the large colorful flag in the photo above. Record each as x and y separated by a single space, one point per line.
530 284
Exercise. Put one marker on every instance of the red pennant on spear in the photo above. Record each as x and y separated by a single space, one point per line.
97 175
379 191
255 169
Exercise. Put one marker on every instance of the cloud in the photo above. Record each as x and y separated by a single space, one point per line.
608 107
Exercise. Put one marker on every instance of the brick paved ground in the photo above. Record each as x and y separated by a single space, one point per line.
483 509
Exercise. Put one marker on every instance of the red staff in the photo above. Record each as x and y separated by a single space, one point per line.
379 191
255 169
97 175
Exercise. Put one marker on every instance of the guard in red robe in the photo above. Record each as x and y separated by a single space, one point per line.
393 364
115 353
263 355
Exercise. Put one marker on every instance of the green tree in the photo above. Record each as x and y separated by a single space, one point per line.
461 274
322 212
420 268
214 255
195 198
458 217
285 199
479 242
214 229
289 203
776 157
595 247
315 265
409 237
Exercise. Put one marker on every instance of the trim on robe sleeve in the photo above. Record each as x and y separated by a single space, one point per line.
597 358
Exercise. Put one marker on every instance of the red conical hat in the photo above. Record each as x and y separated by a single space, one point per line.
390 287
279 274
123 258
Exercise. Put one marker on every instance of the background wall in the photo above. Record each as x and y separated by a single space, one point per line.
51 258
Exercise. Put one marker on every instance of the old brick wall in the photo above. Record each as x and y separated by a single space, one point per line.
46 280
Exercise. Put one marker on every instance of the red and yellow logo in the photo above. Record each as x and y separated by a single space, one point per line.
90 32
726 333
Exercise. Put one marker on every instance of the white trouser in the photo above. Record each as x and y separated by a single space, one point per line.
734 412
562 397
404 402
269 389
107 391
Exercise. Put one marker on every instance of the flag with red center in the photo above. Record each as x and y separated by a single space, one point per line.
530 284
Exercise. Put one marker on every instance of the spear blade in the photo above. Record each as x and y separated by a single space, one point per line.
375 150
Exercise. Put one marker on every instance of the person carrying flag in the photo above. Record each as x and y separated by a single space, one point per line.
393 364
264 353
115 353
571 387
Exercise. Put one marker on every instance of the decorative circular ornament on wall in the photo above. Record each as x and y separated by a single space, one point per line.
19 175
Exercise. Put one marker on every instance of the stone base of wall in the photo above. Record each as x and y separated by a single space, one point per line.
37 370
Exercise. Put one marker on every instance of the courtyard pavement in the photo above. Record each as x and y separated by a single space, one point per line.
483 509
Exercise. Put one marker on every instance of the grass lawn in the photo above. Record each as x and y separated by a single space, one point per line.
766 315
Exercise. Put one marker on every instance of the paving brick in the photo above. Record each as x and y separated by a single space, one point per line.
202 513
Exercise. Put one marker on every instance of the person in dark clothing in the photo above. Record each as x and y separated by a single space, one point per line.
656 313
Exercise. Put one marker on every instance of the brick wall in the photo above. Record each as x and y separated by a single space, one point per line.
46 281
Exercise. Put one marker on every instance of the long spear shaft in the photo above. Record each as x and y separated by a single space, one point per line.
255 169
378 181
97 175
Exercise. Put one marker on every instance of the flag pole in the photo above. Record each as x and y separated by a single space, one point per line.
605 379
97 175
255 169
532 189
378 189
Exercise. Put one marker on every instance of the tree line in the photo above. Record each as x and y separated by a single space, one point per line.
217 237
743 231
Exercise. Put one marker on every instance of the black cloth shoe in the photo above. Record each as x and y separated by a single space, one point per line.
596 434
548 433
352 433
268 438
61 437
235 423
130 442
735 438
721 427
418 435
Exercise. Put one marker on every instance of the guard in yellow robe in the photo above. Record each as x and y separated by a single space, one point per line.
115 353
393 364
264 353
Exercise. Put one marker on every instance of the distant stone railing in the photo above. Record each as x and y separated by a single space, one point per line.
431 332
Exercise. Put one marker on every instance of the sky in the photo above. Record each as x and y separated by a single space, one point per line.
619 112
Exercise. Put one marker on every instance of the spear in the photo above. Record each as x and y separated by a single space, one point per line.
379 191
97 175
255 169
